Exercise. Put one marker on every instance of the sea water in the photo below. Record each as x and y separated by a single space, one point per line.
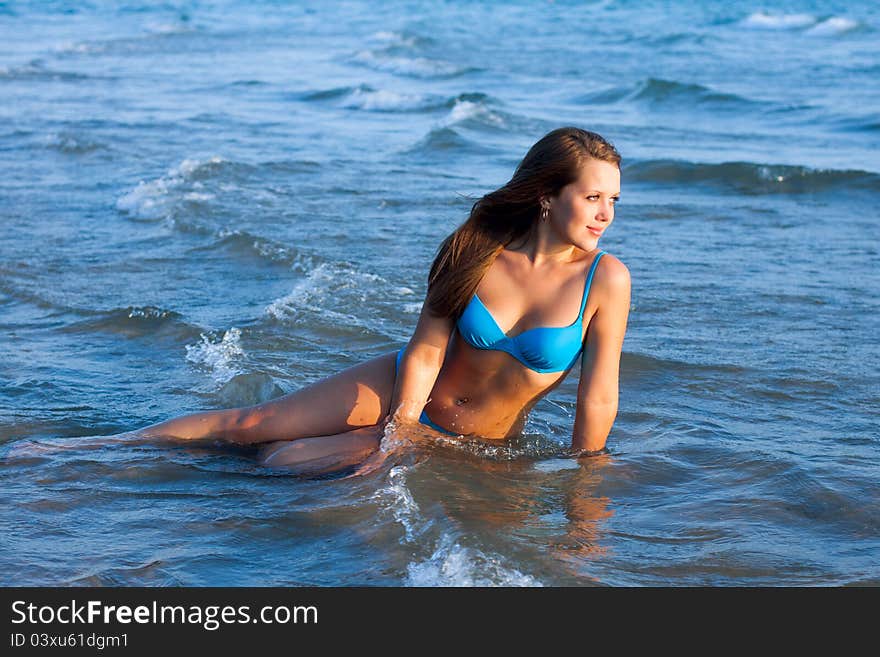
208 204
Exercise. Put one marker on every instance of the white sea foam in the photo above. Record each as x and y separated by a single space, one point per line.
414 66
169 28
69 142
396 38
397 499
302 262
385 36
78 48
148 200
274 251
221 358
383 100
412 308
451 564
154 199
832 26
763 21
464 110
327 281
197 196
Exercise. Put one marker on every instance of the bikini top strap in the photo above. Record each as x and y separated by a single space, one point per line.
589 282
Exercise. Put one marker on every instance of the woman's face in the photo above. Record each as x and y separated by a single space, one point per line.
584 209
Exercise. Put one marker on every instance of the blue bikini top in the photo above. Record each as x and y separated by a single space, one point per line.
542 349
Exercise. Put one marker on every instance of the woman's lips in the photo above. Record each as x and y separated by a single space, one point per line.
595 231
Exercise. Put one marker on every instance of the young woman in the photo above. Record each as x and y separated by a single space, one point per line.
517 295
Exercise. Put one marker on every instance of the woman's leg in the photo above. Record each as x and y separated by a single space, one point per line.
322 454
359 396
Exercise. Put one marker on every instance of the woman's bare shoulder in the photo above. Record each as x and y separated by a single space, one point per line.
611 274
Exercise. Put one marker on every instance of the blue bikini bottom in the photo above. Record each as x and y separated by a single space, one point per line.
424 419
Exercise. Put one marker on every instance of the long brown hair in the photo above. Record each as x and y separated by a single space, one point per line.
508 214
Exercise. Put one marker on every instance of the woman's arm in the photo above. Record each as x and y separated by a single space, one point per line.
420 366
600 363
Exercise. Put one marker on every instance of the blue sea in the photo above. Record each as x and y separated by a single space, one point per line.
208 204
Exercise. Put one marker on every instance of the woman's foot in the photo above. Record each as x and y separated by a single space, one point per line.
36 448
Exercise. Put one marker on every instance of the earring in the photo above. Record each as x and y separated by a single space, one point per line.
545 212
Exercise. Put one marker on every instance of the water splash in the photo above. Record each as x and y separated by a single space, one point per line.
451 564
219 357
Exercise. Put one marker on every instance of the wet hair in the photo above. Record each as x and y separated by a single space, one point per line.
508 214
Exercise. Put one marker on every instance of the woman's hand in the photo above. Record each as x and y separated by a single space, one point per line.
398 433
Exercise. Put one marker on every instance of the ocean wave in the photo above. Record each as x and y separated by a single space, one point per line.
328 94
418 67
182 26
151 200
37 297
77 48
764 21
71 142
157 199
245 243
752 178
451 564
165 38
858 123
287 167
129 320
317 299
462 106
635 364
396 499
657 91
402 39
833 26
136 321
248 84
475 114
811 25
660 90
35 71
378 100
776 298
155 573
790 387
659 40
443 139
